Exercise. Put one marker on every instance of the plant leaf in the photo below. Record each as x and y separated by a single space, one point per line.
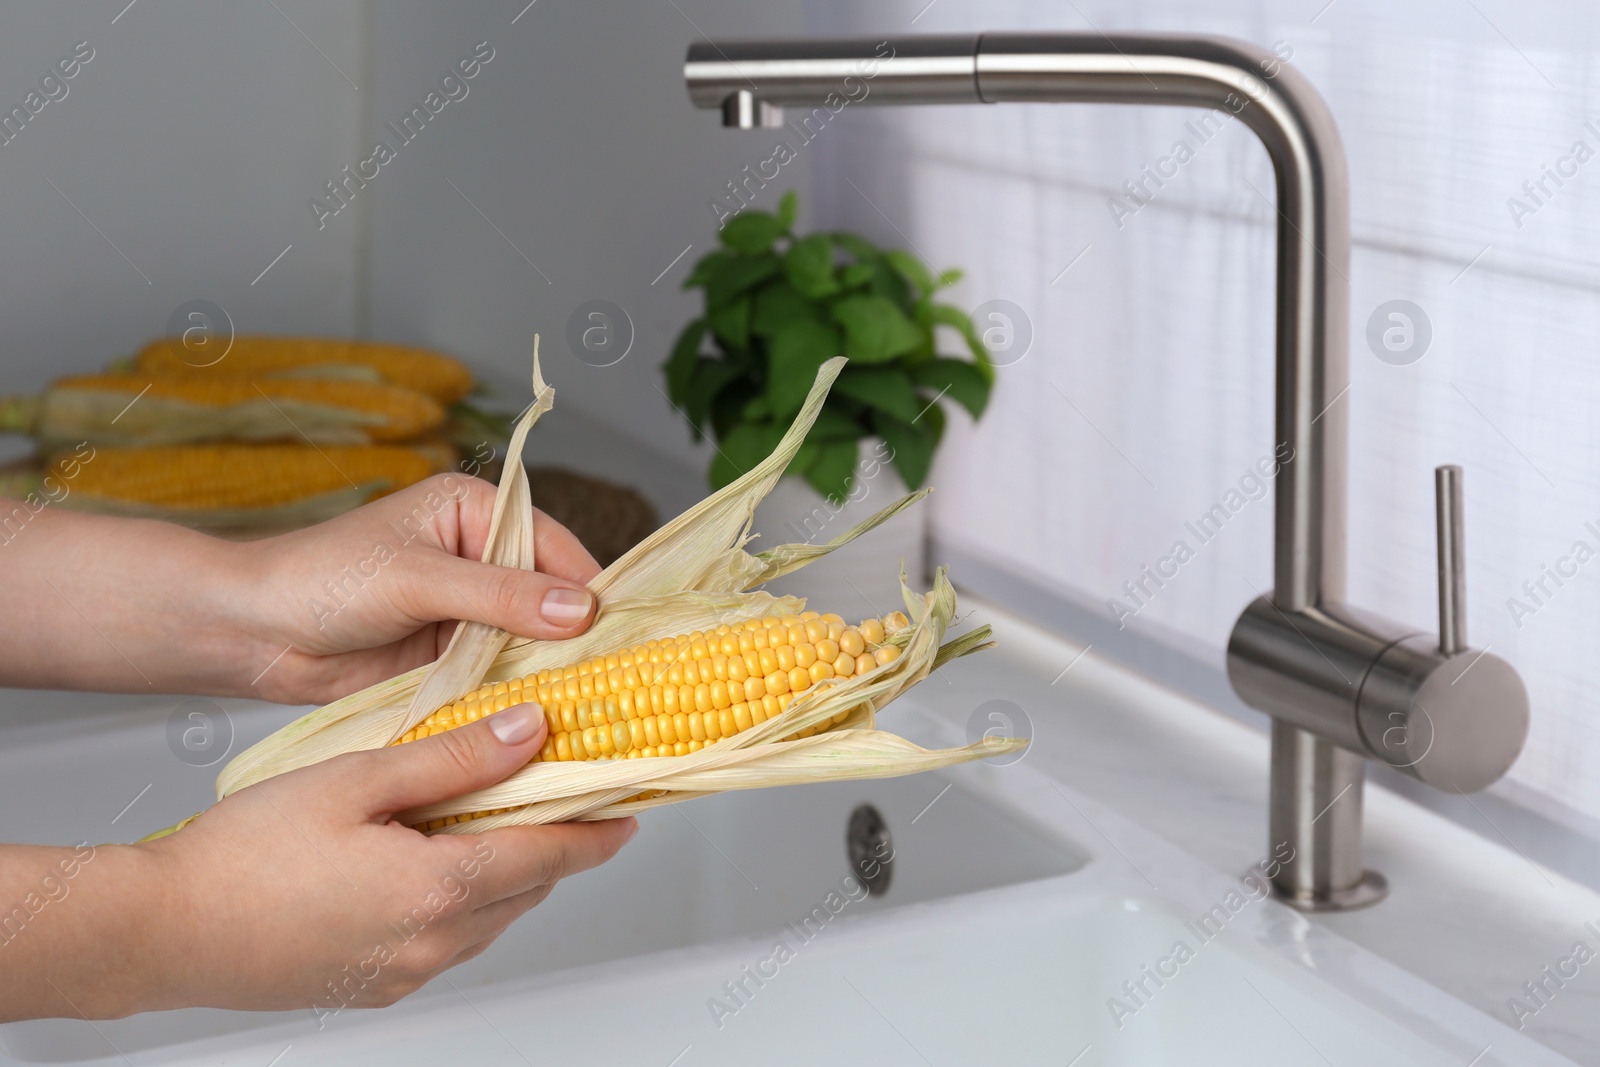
875 329
731 323
794 357
948 278
856 245
711 376
913 446
705 267
751 231
888 389
683 362
776 306
949 315
889 284
727 410
735 274
911 268
833 424
809 266
961 381
933 418
742 451
803 457
834 470
788 207
855 275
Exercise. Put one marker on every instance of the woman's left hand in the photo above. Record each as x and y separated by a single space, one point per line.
131 605
363 597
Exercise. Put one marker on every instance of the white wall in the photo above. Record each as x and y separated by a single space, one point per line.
197 135
578 146
1160 337
191 140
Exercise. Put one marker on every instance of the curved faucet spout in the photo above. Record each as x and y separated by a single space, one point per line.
1246 81
1341 685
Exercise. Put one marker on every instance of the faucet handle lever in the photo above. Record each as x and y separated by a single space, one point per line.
1452 561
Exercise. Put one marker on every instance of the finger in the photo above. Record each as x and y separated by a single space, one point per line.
481 928
527 603
556 551
313 678
471 952
389 780
526 857
491 920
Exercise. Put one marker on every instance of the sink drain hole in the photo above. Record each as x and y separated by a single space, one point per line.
871 852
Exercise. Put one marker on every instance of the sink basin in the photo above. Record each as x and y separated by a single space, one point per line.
718 868
1022 923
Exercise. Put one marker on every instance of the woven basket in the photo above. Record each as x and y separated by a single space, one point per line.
608 518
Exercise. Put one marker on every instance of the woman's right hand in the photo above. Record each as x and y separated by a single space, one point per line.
303 891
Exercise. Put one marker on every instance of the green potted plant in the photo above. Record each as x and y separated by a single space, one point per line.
777 305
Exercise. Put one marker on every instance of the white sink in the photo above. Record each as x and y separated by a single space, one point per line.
1016 912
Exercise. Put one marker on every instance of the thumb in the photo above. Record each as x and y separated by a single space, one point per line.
447 765
527 603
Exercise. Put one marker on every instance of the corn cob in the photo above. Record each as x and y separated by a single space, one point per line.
204 477
689 577
674 696
255 358
126 410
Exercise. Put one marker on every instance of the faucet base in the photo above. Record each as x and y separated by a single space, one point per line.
1315 817
1372 888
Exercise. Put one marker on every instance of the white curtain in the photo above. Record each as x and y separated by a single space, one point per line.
1146 395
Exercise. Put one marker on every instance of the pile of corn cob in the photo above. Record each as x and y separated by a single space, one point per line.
280 432
690 681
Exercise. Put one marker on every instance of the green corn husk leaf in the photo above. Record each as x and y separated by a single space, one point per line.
692 574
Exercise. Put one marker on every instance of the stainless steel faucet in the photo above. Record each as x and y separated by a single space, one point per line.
1342 685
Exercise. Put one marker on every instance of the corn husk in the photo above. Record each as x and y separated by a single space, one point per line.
35 481
71 411
692 574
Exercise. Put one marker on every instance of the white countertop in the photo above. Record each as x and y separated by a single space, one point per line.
1473 918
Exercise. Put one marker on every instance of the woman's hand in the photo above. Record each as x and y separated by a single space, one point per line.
300 892
129 605
365 596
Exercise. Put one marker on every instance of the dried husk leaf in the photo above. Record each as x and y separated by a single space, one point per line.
474 645
692 574
700 552
294 515
836 755
67 415
861 695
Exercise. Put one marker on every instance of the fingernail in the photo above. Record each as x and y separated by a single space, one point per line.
563 607
515 725
632 833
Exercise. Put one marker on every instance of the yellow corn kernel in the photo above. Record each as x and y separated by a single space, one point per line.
673 696
240 476
265 358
